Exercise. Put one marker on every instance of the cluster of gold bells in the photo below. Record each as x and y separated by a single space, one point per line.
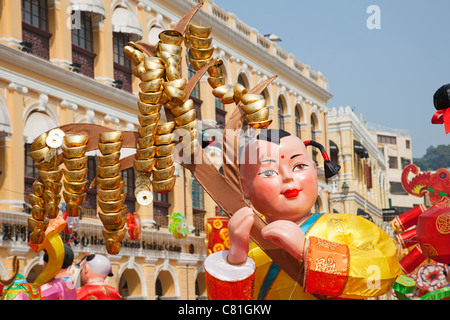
161 85
46 196
110 196
198 41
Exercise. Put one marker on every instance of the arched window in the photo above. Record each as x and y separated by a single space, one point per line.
298 127
313 138
280 105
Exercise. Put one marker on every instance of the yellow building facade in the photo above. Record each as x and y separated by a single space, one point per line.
362 185
62 62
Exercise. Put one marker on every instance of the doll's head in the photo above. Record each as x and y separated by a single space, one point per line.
95 267
278 177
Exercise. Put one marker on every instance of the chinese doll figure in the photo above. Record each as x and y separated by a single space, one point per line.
343 255
95 269
62 286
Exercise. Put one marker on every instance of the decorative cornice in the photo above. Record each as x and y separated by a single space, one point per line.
47 69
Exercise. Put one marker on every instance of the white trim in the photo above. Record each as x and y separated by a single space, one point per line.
61 75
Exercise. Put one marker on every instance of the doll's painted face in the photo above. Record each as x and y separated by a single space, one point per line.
280 180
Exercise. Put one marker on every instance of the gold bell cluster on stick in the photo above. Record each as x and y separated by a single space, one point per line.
46 196
75 172
199 42
182 108
151 72
110 197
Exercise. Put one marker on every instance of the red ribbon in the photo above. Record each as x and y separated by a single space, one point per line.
442 117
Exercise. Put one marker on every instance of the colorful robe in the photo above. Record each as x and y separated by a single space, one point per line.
346 256
98 292
59 289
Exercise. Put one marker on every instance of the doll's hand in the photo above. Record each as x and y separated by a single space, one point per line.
287 235
239 227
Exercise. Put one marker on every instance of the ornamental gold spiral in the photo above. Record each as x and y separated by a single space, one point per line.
110 196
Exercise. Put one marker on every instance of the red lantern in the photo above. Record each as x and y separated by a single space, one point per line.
217 235
433 233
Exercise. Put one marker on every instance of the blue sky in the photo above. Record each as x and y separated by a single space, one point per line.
388 75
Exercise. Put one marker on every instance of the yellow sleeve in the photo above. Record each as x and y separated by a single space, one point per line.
352 253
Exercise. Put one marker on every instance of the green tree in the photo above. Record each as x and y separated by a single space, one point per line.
435 158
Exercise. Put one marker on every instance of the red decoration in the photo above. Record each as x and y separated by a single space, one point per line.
412 260
134 226
217 238
433 233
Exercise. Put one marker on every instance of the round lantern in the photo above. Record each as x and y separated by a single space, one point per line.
433 233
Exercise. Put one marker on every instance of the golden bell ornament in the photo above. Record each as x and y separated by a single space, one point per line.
146 153
185 118
53 186
109 183
38 212
36 200
74 198
260 115
116 226
75 175
164 150
75 140
151 86
144 165
215 82
109 160
199 31
177 83
148 108
76 187
161 139
109 195
108 148
73 152
52 175
163 162
260 124
251 97
111 206
39 142
146 120
146 141
170 48
219 92
152 75
198 64
113 217
202 54
254 106
51 210
75 163
38 188
39 154
150 97
165 128
216 69
163 186
111 136
171 37
109 171
200 42
163 174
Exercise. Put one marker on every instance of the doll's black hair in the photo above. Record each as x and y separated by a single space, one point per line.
275 135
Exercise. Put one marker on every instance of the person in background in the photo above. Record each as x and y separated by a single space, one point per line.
95 268
62 286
